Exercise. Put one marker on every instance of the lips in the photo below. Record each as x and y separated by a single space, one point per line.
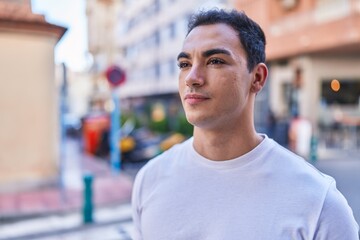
193 99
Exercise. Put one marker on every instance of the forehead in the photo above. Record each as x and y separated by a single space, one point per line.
212 36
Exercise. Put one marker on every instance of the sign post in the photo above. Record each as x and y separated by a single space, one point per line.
116 77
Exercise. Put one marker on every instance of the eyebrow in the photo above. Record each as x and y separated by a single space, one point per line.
183 55
214 51
207 53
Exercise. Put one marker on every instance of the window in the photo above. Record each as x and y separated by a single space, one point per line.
157 38
157 70
172 66
346 92
172 27
157 6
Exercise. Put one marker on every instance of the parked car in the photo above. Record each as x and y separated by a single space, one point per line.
146 145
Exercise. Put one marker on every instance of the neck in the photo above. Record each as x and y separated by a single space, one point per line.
225 144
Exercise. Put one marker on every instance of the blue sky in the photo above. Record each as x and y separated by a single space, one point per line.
72 48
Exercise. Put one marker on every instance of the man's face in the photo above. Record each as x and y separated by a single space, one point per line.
214 82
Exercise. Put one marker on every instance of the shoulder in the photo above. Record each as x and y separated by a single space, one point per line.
315 190
292 164
294 172
336 218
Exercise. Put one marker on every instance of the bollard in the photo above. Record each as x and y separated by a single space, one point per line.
88 198
313 149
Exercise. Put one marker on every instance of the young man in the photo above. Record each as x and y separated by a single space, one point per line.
229 182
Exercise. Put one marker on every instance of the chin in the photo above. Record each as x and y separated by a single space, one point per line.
203 123
192 121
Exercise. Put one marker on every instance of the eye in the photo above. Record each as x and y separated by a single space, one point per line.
183 65
216 61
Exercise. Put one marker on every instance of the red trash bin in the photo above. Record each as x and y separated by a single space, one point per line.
93 127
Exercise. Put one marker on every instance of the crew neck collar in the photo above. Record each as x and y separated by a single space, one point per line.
240 161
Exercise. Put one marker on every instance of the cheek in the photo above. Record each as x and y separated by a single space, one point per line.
241 83
235 92
181 86
233 87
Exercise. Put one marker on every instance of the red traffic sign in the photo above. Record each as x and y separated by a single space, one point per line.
115 75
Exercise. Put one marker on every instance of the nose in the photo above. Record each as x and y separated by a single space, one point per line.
195 77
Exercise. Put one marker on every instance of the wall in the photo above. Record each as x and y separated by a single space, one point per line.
315 70
29 109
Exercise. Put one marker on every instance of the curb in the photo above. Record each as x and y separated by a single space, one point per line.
59 224
67 230
20 216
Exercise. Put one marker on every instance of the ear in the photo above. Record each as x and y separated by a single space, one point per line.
260 72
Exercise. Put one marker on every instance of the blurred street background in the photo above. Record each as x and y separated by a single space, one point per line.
88 94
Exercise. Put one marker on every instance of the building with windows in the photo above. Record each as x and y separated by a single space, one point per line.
313 51
102 18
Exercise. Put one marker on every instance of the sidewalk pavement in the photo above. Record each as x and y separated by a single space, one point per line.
336 154
109 223
108 189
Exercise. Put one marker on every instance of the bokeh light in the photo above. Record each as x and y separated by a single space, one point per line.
335 85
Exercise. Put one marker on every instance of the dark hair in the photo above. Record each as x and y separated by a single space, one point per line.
250 33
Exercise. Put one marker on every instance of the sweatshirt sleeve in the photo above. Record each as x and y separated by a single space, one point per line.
336 220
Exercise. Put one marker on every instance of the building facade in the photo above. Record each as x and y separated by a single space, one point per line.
101 21
313 50
29 126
